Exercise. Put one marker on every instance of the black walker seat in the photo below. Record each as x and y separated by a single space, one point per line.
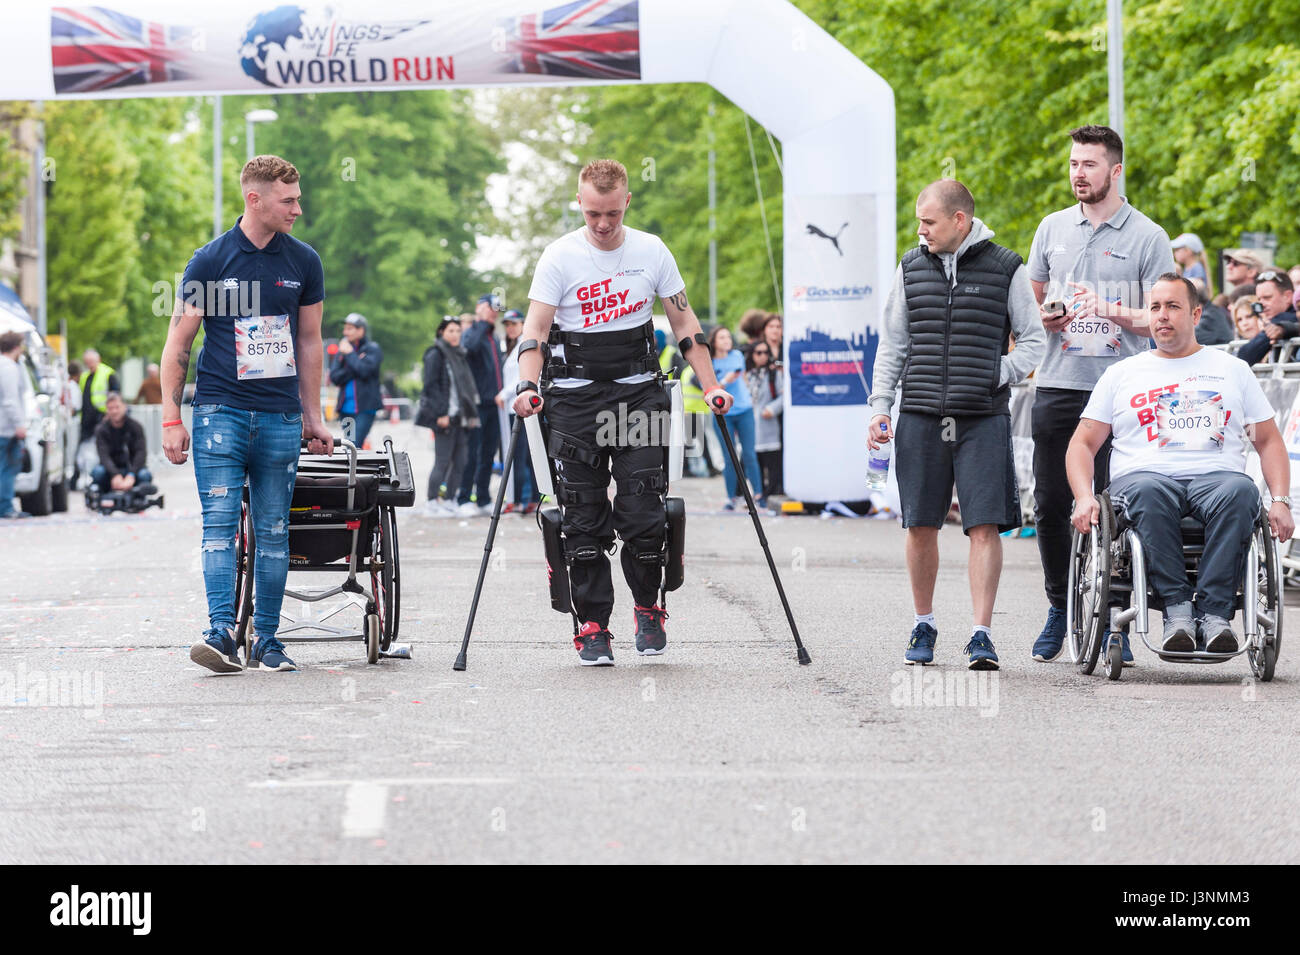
342 520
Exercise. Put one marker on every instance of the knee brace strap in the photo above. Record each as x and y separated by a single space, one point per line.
647 480
568 448
568 495
646 550
584 550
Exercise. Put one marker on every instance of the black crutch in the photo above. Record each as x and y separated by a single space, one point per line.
804 659
492 533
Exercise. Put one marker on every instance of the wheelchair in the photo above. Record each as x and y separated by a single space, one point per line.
1108 590
342 519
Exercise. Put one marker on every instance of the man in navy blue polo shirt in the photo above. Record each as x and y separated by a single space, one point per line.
259 295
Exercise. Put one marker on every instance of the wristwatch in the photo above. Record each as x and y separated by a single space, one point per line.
525 385
1282 500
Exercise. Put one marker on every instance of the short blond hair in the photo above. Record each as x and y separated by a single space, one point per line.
605 175
264 170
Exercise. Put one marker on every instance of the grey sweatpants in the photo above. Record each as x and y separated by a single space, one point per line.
1226 502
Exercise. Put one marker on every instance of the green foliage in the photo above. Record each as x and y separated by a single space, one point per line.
14 165
988 91
91 221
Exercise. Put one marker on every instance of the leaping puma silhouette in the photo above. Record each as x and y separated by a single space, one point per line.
833 239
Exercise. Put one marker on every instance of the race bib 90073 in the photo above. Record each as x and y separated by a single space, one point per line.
1190 421
264 348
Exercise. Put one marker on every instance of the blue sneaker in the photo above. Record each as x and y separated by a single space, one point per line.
217 652
1050 642
920 648
268 654
980 652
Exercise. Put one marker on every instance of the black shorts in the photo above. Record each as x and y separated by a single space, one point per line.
931 452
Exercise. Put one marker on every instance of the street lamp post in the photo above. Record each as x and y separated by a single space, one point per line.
257 116
1115 68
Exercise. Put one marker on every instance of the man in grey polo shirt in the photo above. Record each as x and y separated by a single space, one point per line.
1090 266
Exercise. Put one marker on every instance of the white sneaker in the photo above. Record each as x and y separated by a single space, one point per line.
468 509
438 508
486 510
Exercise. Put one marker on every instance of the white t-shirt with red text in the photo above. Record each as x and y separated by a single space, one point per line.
595 291
1178 416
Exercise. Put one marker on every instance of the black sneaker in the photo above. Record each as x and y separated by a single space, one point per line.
651 639
217 652
592 643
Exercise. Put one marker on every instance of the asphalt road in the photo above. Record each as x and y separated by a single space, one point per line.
116 748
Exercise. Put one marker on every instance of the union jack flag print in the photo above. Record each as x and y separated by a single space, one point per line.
94 48
598 39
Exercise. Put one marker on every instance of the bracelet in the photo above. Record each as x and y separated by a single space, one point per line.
172 424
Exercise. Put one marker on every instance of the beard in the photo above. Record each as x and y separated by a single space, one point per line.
1096 195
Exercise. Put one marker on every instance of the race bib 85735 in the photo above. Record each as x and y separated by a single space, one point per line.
264 348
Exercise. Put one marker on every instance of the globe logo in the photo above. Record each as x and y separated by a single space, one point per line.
265 32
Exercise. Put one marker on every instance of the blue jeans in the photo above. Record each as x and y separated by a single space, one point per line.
104 483
741 426
521 471
11 462
232 446
356 426
483 443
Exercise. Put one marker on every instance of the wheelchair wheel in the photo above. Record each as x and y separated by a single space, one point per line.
372 638
1263 660
384 582
1088 594
1114 661
245 558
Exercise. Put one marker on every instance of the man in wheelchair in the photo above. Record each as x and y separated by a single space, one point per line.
1181 415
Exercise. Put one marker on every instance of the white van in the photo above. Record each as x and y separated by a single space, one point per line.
42 484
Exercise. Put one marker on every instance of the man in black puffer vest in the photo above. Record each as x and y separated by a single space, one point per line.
958 298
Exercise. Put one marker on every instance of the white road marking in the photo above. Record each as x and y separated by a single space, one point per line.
364 808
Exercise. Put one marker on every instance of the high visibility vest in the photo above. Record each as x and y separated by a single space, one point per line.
692 394
99 386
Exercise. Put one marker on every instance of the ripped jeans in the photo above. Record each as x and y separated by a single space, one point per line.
231 445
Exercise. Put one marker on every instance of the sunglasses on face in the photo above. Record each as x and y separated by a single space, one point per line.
761 351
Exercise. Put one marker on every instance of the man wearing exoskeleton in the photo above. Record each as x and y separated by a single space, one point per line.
589 340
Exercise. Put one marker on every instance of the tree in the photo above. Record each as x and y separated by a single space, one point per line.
91 232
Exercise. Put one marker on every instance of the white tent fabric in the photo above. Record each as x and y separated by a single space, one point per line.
833 115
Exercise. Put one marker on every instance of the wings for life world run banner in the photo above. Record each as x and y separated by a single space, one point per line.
253 47
833 294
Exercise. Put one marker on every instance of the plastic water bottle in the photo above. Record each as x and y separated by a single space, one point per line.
878 462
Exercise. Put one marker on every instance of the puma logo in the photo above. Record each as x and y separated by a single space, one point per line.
833 239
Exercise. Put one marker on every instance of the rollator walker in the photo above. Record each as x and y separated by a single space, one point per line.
342 520
1108 590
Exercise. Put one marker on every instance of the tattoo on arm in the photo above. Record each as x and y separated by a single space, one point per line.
679 301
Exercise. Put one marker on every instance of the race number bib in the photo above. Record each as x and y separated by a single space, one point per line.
1190 421
1090 338
264 348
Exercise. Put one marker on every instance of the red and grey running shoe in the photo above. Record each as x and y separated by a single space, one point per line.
593 645
651 639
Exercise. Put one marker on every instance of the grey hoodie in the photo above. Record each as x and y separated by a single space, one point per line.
895 338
